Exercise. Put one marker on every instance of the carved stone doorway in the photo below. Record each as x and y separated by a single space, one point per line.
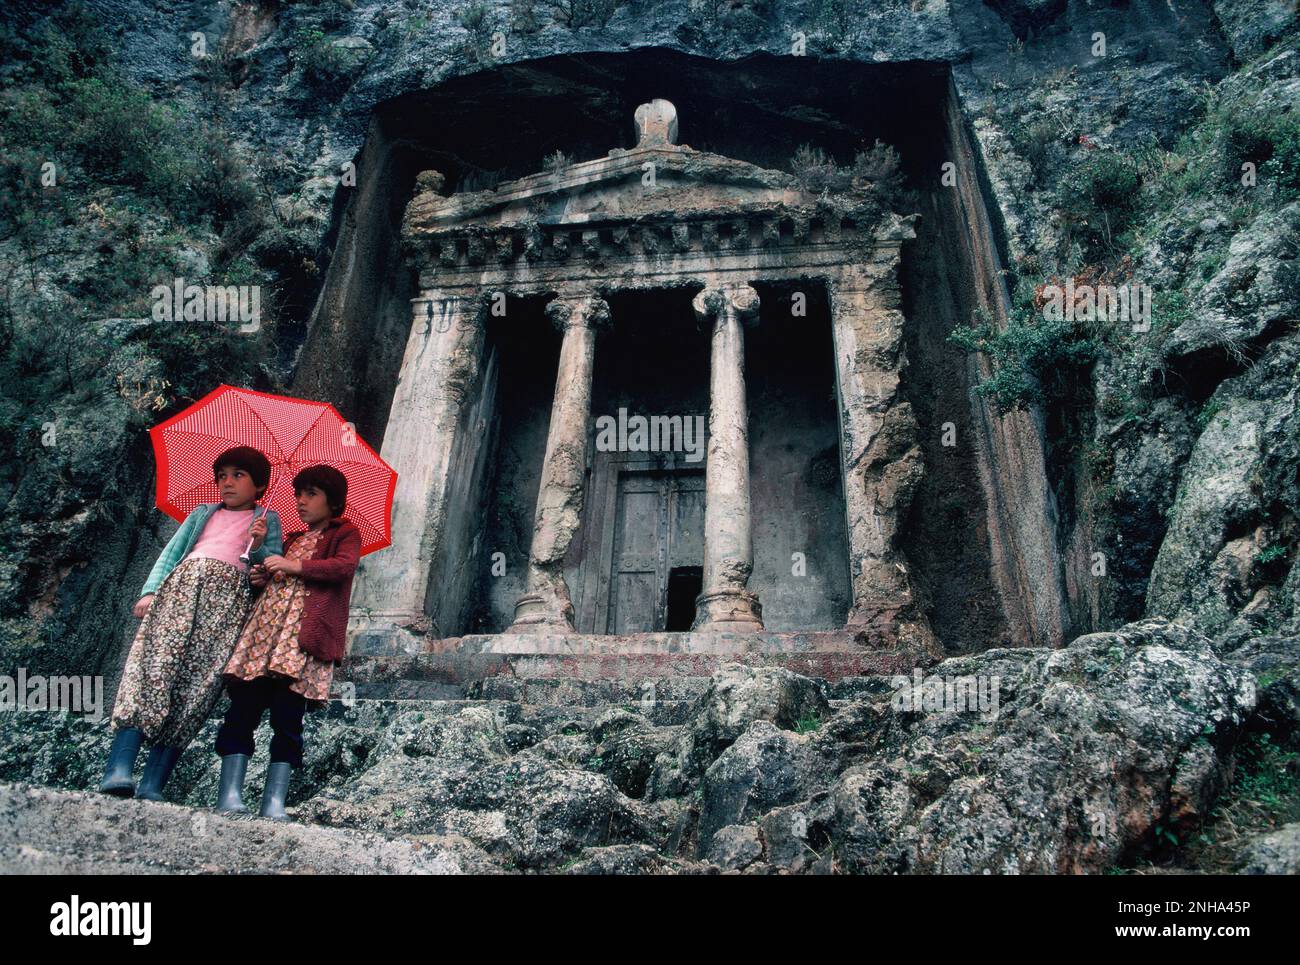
644 549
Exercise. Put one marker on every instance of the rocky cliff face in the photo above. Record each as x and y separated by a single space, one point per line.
1081 759
1123 472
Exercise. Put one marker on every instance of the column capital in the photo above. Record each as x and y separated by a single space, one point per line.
863 278
586 308
739 300
437 310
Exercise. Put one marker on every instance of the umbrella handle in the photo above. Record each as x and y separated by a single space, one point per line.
244 557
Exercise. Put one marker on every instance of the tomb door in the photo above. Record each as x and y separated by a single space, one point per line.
648 564
658 548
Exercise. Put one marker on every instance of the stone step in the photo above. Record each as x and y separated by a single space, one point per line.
440 674
664 701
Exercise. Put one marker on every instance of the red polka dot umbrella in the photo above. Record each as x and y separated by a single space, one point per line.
291 433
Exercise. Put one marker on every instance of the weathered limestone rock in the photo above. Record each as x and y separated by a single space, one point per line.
626 747
528 809
765 768
1036 789
46 831
1275 663
1277 853
628 859
1088 748
1211 564
737 696
735 846
1257 288
881 460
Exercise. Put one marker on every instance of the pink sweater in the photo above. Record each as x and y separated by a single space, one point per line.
224 537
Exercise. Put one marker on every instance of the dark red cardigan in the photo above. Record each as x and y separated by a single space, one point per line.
327 576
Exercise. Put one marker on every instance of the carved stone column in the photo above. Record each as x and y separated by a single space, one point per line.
439 371
881 459
725 603
546 606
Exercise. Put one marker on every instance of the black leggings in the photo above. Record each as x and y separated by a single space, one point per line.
249 699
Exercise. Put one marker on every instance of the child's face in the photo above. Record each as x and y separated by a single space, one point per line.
313 506
236 487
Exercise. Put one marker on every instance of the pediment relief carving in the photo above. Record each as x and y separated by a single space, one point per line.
657 197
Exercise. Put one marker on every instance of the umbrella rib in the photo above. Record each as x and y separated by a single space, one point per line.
269 431
314 422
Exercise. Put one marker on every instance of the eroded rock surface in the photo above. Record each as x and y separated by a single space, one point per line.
1075 758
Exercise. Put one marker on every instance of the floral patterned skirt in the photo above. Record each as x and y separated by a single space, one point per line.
268 647
172 677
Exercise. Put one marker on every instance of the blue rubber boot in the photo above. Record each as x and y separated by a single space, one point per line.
156 771
121 763
230 795
277 789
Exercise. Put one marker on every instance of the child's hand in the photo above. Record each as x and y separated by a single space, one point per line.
258 531
141 608
281 566
257 576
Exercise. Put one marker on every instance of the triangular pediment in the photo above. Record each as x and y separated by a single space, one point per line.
658 180
658 200
626 186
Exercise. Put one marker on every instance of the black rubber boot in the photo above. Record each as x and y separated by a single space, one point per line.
277 789
230 795
156 771
121 763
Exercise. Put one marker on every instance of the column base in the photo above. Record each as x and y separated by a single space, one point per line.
891 627
534 615
728 611
387 634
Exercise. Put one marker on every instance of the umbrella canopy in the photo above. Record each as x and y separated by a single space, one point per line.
291 433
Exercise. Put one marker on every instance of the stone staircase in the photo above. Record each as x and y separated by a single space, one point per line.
656 674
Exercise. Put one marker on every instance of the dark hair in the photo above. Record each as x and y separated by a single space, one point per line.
248 459
329 481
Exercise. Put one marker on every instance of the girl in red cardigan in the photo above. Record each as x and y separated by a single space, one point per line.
296 633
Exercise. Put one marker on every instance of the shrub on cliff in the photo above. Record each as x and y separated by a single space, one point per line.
324 66
70 106
1098 202
1036 360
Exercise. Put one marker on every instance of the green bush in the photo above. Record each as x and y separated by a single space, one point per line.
817 171
1209 410
1035 360
1268 776
583 13
122 136
1271 554
323 65
1034 141
99 127
1236 132
1099 201
144 172
1282 169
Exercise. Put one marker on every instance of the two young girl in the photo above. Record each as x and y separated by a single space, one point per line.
197 630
